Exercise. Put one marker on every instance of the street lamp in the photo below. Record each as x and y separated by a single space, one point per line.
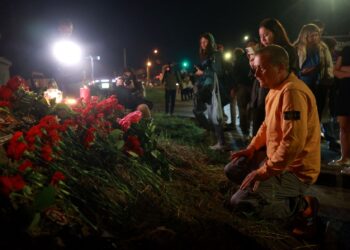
155 51
148 64
246 38
228 56
67 52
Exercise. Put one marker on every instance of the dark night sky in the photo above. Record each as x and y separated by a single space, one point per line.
105 27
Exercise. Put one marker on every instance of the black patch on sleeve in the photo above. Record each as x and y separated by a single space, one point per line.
291 115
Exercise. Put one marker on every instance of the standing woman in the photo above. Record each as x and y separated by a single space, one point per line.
315 61
342 72
271 31
210 64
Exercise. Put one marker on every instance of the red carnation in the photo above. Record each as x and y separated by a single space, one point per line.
133 144
54 136
16 146
26 164
57 176
4 104
32 133
67 123
5 93
89 136
46 152
15 82
10 184
48 121
133 117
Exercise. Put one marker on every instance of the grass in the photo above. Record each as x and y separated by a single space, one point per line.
181 130
155 94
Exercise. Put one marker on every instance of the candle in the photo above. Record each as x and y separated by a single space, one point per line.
85 94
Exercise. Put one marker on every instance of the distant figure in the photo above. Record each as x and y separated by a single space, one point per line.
170 78
127 98
187 88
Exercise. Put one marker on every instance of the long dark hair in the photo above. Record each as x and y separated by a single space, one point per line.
210 49
280 35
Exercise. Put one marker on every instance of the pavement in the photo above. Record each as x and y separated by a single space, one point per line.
332 188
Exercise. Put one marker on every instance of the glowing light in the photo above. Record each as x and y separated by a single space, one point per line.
67 52
70 101
246 38
51 94
105 85
149 64
228 56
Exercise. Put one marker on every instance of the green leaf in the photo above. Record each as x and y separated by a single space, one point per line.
133 154
4 109
45 198
115 134
35 222
119 144
155 153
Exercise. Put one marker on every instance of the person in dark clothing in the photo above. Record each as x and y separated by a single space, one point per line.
258 93
128 98
132 83
243 83
170 78
342 72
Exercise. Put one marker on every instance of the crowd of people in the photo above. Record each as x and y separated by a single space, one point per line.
286 92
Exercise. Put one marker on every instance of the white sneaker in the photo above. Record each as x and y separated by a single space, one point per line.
217 146
346 171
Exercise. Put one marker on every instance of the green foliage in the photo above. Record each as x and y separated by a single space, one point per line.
44 199
182 130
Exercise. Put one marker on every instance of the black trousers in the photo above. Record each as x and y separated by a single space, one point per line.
170 96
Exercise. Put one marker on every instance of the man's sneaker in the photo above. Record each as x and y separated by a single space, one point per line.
307 227
218 146
346 171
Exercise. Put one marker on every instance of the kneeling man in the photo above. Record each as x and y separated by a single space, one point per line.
275 185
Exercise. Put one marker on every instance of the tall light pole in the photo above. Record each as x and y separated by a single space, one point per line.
149 64
92 65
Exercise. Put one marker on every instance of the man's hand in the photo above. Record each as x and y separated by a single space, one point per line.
251 179
248 152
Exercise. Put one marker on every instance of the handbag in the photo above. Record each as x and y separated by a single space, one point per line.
215 111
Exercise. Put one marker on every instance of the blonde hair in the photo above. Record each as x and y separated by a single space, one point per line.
305 31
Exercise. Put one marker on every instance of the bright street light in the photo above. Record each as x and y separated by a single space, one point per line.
228 56
155 51
246 38
149 64
67 52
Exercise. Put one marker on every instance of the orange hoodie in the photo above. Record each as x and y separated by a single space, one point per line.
291 132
